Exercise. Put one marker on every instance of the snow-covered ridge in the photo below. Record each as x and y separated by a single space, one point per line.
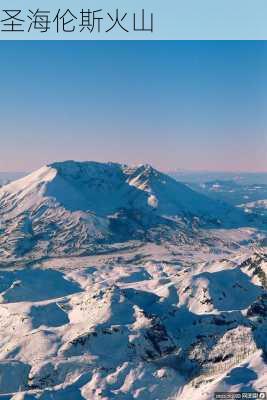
72 207
119 330
117 282
84 185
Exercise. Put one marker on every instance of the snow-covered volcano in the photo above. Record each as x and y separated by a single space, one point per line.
118 282
84 186
71 207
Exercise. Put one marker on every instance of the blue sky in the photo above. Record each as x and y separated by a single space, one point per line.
192 105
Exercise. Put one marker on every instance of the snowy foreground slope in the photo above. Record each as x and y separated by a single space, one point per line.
118 282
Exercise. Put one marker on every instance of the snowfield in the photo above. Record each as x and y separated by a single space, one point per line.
259 206
118 282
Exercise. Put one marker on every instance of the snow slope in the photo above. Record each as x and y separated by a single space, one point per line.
119 330
118 282
83 207
83 186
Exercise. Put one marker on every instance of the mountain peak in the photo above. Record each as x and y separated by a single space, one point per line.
71 166
105 188
94 202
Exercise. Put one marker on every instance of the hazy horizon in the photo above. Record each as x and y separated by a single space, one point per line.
196 106
177 170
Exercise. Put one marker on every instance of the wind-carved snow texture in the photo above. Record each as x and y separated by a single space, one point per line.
118 282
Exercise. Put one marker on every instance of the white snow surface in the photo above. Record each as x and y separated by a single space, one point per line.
259 206
117 283
85 207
